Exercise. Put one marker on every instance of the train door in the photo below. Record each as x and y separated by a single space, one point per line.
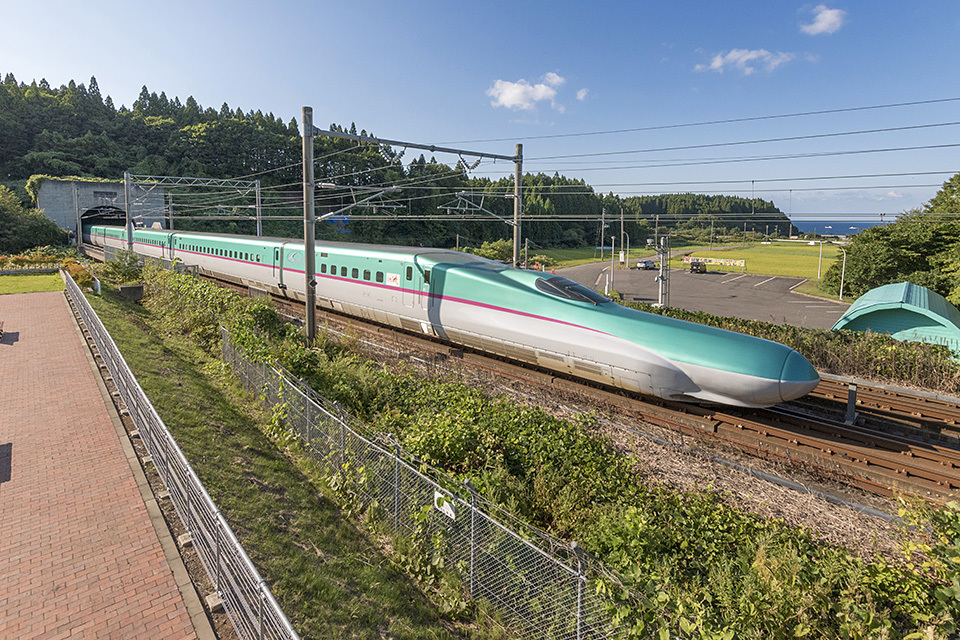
424 298
278 265
410 285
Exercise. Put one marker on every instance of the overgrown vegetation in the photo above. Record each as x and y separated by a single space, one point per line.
22 228
329 574
692 567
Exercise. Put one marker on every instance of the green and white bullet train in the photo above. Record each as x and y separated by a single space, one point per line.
535 317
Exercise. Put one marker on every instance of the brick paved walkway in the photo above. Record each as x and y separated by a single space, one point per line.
79 556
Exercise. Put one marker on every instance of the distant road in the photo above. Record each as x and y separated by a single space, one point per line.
740 295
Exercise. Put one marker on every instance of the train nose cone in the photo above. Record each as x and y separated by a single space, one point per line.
798 377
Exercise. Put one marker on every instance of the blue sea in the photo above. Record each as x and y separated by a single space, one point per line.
834 228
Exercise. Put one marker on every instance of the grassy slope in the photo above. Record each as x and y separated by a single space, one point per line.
33 283
327 574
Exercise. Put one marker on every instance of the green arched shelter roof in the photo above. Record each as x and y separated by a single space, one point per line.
905 311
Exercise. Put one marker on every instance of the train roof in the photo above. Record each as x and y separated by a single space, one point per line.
435 255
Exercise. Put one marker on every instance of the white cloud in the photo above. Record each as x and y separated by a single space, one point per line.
824 21
746 61
553 79
582 95
523 95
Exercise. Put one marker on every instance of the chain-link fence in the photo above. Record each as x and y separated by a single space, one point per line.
541 585
246 598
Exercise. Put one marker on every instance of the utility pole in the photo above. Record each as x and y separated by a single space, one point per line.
126 206
309 226
613 253
663 250
76 205
621 231
259 218
517 203
603 224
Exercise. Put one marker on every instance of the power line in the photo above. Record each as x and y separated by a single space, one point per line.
795 156
715 122
744 142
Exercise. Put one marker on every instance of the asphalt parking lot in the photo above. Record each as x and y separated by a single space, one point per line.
742 295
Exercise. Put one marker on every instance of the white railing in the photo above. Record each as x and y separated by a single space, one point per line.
246 598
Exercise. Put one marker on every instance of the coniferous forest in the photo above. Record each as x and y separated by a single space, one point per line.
75 130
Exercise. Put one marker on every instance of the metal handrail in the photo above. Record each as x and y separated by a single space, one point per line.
254 611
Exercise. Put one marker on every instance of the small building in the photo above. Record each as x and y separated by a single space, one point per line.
73 201
907 312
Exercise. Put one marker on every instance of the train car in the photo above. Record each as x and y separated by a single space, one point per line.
530 316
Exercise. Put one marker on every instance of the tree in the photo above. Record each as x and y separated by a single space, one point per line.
22 229
922 247
947 199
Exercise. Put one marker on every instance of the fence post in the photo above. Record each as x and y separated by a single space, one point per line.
216 583
473 535
260 587
396 482
190 523
578 552
343 434
306 412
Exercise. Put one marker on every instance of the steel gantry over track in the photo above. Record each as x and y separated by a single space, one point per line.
309 186
186 181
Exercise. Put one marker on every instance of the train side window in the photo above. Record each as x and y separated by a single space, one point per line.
355 273
343 271
333 269
379 276
426 276
409 273
323 267
323 254
366 274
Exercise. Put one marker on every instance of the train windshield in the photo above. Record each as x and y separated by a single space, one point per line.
564 288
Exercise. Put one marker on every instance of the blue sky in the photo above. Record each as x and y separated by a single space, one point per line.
485 76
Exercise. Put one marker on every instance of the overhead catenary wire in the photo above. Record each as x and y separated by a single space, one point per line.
430 183
715 122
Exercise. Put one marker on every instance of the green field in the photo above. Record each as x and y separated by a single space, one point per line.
33 283
586 255
791 259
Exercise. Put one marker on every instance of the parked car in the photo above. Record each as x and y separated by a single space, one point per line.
646 264
698 267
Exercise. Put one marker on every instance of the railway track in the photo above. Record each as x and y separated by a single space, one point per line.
912 454
880 462
923 416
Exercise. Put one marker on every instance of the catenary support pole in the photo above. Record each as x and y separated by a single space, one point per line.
309 226
126 207
517 203
259 212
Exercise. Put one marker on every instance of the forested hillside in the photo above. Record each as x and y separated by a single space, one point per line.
75 130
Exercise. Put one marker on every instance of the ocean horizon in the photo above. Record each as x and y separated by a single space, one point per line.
835 227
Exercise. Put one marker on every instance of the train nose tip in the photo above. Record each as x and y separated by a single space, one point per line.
798 377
